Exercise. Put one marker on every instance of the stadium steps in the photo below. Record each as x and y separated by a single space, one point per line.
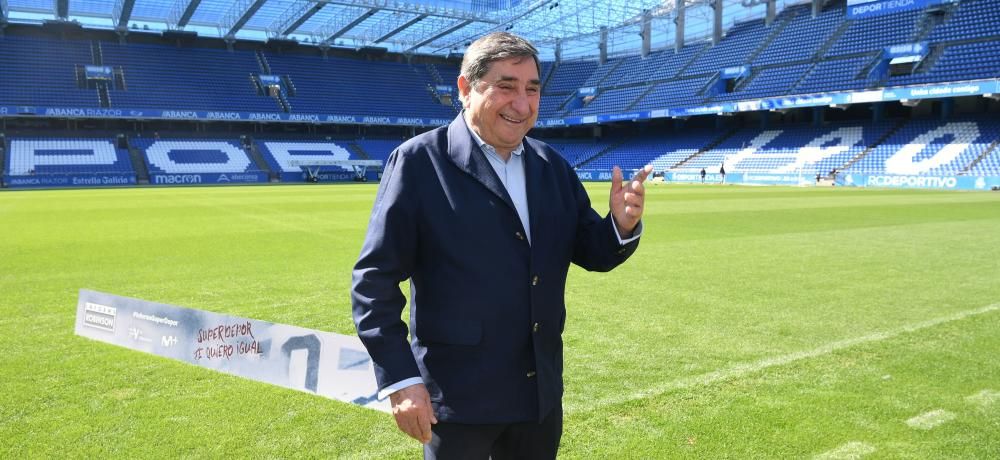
934 16
803 77
139 165
613 68
965 170
899 125
255 81
259 161
743 82
265 66
784 22
103 95
694 58
709 84
641 97
876 58
834 38
289 85
435 74
548 77
3 157
928 63
95 53
600 153
356 149
81 79
707 148
282 101
120 79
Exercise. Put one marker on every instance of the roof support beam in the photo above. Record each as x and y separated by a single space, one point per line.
123 12
358 20
62 9
400 28
239 14
307 12
3 11
447 31
430 10
188 12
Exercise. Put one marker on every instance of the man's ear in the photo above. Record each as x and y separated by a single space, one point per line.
463 90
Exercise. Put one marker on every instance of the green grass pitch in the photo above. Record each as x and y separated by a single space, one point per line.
751 323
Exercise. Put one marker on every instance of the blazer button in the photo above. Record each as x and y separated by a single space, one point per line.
519 236
531 374
621 251
534 280
534 328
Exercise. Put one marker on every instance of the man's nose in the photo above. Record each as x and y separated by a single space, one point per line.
521 103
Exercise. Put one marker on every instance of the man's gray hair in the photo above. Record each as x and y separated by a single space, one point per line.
496 46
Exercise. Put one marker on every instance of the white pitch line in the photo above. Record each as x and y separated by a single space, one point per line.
931 419
850 451
742 369
984 398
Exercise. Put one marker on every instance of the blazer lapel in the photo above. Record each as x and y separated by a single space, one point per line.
534 170
464 152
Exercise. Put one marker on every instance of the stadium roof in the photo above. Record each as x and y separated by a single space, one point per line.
436 27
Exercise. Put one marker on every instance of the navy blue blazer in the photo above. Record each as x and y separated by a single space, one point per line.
486 307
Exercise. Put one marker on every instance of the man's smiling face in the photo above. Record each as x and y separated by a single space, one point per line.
503 106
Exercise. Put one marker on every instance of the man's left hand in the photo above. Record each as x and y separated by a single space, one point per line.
627 200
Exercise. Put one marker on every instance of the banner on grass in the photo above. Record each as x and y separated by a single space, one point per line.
323 363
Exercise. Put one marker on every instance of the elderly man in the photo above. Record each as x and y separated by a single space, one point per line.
484 222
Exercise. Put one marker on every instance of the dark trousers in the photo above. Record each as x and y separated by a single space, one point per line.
525 440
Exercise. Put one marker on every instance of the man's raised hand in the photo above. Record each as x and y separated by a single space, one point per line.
627 200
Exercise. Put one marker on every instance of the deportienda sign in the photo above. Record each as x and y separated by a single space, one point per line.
323 363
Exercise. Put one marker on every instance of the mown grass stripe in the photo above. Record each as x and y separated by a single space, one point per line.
850 451
929 420
742 369
984 398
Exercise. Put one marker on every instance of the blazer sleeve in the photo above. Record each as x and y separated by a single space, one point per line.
387 259
596 247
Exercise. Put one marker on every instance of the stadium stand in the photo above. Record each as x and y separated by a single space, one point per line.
193 156
42 71
570 76
967 61
611 100
355 87
676 93
931 147
663 152
577 152
76 156
164 77
797 54
377 149
971 18
288 157
796 149
801 38
869 34
775 81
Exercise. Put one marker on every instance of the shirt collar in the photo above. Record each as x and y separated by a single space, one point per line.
487 147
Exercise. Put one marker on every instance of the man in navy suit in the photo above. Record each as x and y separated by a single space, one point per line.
484 222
